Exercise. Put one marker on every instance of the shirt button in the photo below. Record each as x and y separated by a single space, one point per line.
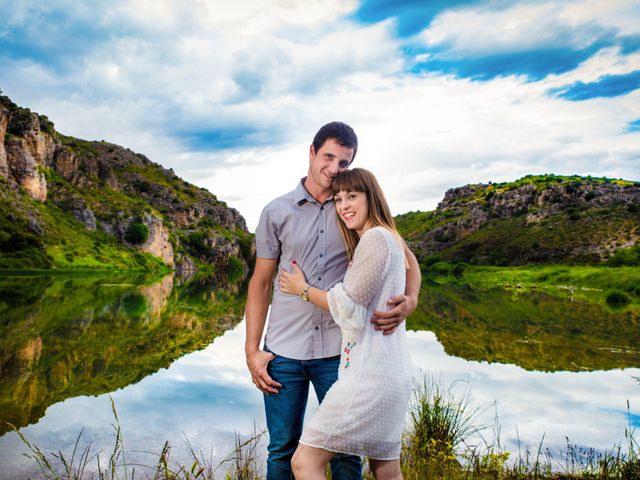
321 208
319 278
317 328
321 231
321 255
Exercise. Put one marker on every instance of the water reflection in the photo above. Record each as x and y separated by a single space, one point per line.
69 342
531 329
87 335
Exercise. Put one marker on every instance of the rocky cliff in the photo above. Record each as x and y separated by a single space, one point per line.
70 203
536 219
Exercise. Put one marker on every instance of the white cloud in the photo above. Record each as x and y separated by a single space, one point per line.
487 29
279 73
421 136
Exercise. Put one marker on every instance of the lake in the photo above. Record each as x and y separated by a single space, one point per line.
170 353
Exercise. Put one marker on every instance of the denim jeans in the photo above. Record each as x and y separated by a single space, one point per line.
285 414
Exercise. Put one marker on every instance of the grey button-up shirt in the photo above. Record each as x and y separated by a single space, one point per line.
297 227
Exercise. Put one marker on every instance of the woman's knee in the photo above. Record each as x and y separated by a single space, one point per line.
296 463
309 462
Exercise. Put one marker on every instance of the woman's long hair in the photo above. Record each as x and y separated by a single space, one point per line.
379 214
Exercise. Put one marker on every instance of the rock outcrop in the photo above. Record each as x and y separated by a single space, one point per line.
158 243
535 219
106 188
4 122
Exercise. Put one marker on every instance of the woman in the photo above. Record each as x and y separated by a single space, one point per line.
364 411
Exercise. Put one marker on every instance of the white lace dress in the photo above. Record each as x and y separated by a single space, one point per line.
363 413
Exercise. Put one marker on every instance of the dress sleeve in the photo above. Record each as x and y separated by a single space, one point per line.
350 300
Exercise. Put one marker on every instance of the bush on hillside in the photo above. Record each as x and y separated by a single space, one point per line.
137 233
616 298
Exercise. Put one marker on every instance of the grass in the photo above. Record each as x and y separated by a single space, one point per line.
440 442
240 464
608 286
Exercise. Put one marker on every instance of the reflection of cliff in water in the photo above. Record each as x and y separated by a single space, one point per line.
531 329
66 336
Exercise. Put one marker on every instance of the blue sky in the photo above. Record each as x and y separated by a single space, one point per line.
441 93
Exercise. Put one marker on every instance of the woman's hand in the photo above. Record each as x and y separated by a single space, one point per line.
294 282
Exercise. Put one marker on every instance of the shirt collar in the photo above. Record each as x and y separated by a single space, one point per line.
301 195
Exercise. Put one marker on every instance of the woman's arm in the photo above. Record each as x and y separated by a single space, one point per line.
295 284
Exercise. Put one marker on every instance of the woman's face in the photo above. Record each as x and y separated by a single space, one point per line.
353 209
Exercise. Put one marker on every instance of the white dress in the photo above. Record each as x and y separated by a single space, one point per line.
363 413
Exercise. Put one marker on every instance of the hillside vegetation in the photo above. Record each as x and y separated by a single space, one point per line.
67 203
537 219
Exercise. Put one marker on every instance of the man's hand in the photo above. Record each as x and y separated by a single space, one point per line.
257 362
388 321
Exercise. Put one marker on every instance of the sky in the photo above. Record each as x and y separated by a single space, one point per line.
441 93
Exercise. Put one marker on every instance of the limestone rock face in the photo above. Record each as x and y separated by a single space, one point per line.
158 243
4 121
82 212
545 220
24 170
65 162
38 143
106 186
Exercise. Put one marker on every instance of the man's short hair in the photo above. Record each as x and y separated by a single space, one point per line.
340 132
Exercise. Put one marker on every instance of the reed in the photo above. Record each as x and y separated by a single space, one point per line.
441 441
243 463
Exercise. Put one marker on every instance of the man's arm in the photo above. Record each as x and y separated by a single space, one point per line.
258 297
404 304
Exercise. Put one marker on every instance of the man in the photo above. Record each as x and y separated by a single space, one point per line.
302 344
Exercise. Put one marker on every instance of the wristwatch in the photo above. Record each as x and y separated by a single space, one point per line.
305 293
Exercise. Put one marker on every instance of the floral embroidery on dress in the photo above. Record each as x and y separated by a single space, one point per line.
347 350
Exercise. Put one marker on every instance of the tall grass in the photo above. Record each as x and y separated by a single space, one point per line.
243 463
440 420
441 441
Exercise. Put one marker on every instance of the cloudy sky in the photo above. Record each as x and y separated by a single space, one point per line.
441 93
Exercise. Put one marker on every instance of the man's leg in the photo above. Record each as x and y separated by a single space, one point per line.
285 414
324 372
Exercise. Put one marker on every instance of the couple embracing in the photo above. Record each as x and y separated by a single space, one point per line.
344 283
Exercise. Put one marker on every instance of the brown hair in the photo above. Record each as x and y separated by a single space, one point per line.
379 214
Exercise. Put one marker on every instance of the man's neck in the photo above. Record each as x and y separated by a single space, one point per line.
317 192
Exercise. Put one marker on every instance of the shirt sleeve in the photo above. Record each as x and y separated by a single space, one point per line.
267 242
349 301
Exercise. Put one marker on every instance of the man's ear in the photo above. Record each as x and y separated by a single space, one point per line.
312 152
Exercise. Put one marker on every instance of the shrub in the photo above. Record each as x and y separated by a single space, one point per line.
196 241
625 256
137 233
431 259
441 268
616 298
459 268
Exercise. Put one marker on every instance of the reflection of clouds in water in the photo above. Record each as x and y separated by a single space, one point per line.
587 407
207 396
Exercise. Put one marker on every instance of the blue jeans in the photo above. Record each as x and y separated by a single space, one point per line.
285 414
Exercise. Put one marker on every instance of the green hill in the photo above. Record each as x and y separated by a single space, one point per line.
537 219
69 203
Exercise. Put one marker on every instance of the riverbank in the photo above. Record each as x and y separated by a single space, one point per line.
610 287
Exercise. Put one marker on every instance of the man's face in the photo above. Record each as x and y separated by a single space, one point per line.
327 162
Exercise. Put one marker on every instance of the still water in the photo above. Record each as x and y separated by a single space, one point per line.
170 353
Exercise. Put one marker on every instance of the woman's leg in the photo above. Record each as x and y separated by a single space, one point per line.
323 373
309 463
386 469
